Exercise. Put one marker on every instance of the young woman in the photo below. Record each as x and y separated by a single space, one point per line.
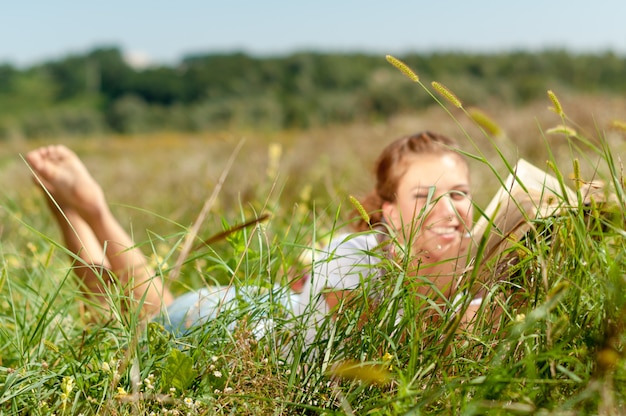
420 204
420 214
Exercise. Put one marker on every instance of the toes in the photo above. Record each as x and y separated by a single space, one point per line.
35 159
42 162
53 153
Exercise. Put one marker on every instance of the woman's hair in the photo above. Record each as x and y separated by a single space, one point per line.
391 166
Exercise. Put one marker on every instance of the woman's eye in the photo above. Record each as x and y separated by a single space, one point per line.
459 195
425 193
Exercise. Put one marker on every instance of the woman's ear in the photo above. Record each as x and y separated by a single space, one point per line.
390 214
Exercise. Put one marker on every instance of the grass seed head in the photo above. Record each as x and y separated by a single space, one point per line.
274 153
561 129
362 212
366 373
50 345
618 125
557 104
403 68
447 94
485 122
577 177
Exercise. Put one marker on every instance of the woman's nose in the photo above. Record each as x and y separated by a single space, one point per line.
445 207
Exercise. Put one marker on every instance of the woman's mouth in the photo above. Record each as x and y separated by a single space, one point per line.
443 230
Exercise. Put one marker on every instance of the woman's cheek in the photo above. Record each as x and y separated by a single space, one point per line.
466 209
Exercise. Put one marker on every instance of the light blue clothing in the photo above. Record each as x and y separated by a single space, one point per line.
198 307
350 261
343 265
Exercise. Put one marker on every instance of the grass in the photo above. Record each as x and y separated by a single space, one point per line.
549 341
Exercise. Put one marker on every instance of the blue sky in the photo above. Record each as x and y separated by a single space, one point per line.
165 31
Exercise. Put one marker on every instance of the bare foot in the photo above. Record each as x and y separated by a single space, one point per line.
67 180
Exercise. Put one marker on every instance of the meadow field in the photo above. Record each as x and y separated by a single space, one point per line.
558 352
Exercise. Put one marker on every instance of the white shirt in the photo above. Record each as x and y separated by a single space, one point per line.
347 262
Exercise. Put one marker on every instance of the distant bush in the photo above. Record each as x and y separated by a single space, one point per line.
217 91
72 122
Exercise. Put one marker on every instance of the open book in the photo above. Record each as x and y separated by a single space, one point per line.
527 194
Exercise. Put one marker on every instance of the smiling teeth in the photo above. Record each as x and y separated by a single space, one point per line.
443 230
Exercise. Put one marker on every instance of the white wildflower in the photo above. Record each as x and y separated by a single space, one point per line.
189 402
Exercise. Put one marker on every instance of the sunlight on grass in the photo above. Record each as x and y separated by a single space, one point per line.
549 339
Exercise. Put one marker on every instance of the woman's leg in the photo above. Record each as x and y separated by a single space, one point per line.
89 229
89 261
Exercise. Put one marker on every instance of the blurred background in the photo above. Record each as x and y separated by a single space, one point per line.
155 96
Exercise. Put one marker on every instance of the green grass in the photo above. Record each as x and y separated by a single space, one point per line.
549 341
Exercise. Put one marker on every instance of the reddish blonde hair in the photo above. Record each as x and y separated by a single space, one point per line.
391 166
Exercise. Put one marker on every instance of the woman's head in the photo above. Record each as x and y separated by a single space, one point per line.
422 192
396 158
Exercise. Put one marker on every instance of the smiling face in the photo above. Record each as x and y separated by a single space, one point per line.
432 208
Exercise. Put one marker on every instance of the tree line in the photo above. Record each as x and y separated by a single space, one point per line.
100 92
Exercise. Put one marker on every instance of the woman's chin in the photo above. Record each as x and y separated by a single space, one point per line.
449 247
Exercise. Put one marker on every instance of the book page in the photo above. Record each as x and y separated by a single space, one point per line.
513 205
